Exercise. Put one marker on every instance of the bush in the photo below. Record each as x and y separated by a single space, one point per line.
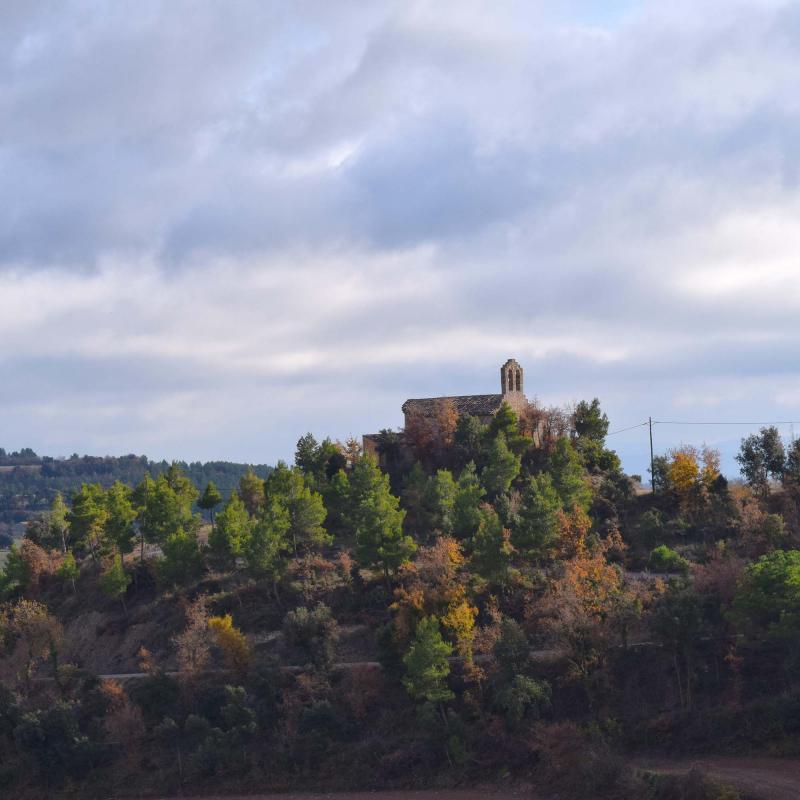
582 765
692 786
664 559
314 632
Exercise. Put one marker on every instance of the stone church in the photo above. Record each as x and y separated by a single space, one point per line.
482 406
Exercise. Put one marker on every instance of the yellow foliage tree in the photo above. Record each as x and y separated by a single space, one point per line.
459 621
431 585
231 642
684 471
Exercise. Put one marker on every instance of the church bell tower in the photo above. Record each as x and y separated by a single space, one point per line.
511 376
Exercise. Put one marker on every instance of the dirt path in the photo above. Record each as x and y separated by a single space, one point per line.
432 794
762 778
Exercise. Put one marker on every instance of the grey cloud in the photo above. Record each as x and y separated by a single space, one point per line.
394 198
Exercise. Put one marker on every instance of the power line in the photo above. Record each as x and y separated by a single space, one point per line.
632 427
708 422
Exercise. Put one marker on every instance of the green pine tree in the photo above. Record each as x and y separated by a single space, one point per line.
210 499
502 469
426 664
535 532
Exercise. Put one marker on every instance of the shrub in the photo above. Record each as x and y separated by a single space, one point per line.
664 559
314 632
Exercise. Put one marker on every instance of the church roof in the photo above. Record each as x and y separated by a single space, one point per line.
478 405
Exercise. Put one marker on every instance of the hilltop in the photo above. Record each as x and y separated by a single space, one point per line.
473 604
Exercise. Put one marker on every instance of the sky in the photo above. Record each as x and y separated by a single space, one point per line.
225 224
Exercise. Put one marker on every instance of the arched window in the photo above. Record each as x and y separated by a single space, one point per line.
519 381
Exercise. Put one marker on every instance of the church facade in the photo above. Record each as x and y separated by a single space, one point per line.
482 406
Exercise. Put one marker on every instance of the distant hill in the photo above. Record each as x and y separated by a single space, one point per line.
29 482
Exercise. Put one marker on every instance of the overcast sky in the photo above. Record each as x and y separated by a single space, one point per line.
225 223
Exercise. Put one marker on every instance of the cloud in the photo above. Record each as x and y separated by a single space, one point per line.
221 225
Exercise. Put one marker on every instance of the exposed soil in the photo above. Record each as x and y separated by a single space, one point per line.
762 778
431 794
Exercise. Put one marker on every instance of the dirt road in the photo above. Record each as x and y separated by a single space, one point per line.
432 794
762 778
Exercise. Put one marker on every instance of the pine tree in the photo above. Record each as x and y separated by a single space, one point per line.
569 477
210 499
439 500
119 530
231 531
266 549
491 546
506 423
87 518
502 469
380 540
114 581
68 569
427 665
535 533
251 490
469 494
305 507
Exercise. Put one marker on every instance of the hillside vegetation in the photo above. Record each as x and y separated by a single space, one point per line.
29 483
489 606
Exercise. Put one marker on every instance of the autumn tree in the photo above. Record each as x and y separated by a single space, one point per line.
420 436
231 642
193 644
25 564
30 631
684 471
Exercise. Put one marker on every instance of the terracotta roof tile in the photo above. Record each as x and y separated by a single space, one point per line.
478 405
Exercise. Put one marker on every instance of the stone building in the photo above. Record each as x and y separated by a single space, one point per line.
482 406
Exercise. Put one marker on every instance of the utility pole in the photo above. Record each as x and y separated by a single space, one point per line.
652 460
